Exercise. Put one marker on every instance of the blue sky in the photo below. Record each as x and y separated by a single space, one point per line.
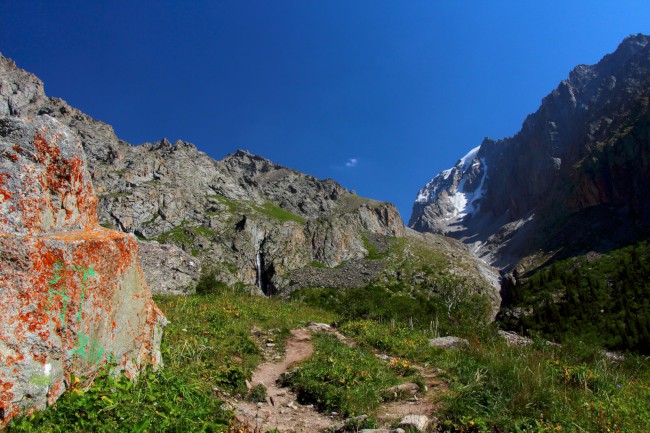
378 95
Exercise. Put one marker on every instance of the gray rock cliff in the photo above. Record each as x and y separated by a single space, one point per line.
573 179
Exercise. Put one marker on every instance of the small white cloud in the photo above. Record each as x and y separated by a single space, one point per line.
352 162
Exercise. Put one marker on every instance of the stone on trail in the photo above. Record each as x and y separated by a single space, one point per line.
419 422
72 294
407 388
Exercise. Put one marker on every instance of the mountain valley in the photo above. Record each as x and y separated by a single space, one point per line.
490 312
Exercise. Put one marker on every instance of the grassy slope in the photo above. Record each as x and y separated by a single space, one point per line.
417 286
208 349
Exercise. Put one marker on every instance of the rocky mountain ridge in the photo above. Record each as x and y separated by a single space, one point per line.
245 219
572 180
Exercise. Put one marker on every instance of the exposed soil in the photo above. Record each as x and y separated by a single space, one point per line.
425 402
281 411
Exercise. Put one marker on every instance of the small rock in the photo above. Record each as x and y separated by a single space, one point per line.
398 430
419 422
514 339
285 378
614 356
374 430
448 342
403 388
319 327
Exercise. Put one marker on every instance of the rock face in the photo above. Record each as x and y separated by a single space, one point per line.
245 217
72 294
573 179
168 269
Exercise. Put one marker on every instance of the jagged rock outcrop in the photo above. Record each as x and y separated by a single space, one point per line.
72 294
573 179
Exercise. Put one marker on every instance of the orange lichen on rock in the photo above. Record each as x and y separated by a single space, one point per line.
72 294
54 191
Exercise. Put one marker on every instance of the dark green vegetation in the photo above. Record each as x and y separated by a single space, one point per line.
276 212
447 314
604 300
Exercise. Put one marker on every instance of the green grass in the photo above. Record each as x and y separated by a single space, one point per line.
275 212
348 380
373 251
419 308
268 209
158 402
233 206
184 234
207 348
540 388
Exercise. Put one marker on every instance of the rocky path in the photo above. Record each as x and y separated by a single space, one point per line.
281 411
420 402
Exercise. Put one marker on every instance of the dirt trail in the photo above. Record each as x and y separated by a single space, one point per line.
281 411
424 403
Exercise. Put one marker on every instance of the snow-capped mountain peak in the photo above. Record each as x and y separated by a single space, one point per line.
458 189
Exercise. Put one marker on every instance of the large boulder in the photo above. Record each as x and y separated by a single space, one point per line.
72 294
